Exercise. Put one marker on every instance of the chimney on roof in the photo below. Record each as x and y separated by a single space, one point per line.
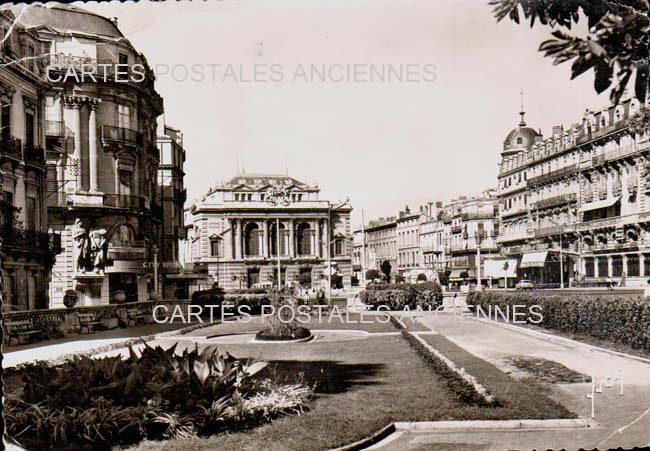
557 130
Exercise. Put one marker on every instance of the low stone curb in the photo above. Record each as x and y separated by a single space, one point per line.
368 441
560 339
491 425
468 425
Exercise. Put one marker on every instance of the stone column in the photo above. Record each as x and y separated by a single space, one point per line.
610 183
624 258
265 244
609 266
238 239
230 241
596 271
319 241
641 266
326 236
624 192
92 145
292 238
76 129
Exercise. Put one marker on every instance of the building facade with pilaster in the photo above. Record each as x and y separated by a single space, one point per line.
247 225
102 160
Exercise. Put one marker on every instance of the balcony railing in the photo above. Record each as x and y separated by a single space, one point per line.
11 147
456 229
54 128
134 251
555 200
124 201
121 135
35 156
558 173
30 241
470 216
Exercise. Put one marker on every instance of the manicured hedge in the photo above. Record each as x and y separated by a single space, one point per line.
398 299
425 286
616 319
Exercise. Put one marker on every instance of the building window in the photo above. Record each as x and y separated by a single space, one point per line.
304 233
617 266
338 247
633 266
123 58
252 239
589 267
123 116
5 120
31 213
29 129
30 57
214 248
602 267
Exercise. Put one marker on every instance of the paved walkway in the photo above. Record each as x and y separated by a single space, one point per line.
51 349
629 413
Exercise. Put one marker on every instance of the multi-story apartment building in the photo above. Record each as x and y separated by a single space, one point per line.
28 250
246 227
473 229
409 259
432 241
172 198
573 205
102 161
381 244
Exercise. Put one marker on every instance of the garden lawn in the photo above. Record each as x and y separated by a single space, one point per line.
362 386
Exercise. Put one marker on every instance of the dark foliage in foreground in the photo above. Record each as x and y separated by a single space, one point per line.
157 394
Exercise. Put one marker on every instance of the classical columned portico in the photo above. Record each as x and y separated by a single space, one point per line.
76 130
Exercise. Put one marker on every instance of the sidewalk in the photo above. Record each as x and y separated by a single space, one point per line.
629 413
16 354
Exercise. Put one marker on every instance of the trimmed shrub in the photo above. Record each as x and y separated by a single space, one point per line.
425 295
213 296
616 319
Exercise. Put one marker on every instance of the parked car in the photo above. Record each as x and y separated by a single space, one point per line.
524 285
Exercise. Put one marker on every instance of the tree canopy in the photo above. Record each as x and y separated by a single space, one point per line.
616 45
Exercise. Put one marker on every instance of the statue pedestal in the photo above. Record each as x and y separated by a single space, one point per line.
90 287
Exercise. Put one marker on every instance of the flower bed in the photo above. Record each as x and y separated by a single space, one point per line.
155 395
611 318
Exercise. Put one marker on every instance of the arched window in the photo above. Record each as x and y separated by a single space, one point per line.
520 140
252 239
304 234
273 245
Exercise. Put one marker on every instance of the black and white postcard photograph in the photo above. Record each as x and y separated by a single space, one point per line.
325 225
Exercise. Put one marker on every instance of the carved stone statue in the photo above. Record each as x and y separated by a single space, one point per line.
81 248
98 250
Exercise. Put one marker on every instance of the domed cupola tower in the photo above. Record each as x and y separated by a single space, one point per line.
520 139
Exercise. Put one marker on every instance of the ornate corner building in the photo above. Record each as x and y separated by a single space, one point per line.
101 157
28 249
574 207
246 227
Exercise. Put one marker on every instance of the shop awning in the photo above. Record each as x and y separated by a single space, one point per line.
534 260
456 274
599 204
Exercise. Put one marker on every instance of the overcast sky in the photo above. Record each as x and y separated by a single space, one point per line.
383 145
